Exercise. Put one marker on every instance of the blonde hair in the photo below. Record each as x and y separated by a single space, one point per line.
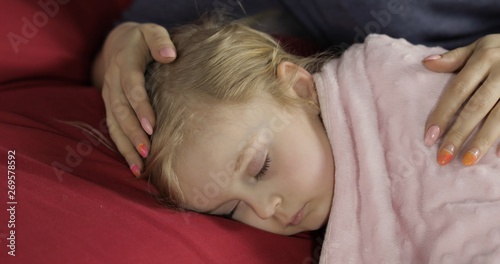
217 62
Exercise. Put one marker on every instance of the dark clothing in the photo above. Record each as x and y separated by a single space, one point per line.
446 23
171 13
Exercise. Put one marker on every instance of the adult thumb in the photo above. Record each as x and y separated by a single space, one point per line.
450 61
159 43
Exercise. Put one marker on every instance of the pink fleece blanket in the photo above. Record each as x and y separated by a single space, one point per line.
392 202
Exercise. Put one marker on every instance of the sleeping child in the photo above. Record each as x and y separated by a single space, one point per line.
288 144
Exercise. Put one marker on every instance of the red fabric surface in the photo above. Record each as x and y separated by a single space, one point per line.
76 200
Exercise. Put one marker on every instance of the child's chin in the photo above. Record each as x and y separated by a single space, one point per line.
305 229
321 220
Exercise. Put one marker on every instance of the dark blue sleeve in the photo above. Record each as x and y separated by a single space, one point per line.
446 23
171 13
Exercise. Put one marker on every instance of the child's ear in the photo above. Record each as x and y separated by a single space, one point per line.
300 80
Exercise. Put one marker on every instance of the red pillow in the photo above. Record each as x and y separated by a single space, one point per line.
66 198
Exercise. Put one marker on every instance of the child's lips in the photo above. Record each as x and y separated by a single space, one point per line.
298 217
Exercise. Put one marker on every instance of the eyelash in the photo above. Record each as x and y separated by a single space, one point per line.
264 168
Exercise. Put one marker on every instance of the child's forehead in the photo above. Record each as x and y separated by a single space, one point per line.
226 119
223 111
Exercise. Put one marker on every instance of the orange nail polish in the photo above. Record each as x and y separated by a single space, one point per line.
143 150
445 155
135 170
470 157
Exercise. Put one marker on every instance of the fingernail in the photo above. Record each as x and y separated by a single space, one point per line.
432 57
445 155
143 150
146 125
431 135
135 170
167 52
471 156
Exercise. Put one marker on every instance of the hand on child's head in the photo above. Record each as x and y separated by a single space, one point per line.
120 70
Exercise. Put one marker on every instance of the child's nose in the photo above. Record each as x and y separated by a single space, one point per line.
265 207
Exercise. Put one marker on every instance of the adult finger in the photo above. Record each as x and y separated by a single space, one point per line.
475 110
124 145
132 84
450 61
489 133
128 123
123 114
159 43
130 63
454 96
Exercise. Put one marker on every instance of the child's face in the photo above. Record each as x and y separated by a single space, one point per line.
272 167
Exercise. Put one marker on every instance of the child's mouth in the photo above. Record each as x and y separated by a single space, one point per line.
298 217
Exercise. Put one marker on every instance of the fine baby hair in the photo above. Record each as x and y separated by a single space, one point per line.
218 63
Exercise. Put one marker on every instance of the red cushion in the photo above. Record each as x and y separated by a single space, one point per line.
75 200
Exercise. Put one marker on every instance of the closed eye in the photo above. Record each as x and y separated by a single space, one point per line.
258 176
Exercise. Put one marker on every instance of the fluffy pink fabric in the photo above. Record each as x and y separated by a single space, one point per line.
392 202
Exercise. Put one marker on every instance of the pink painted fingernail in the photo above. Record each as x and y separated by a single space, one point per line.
433 57
431 135
135 170
146 125
167 52
143 150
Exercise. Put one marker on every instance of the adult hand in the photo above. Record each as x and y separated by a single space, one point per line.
119 69
474 95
